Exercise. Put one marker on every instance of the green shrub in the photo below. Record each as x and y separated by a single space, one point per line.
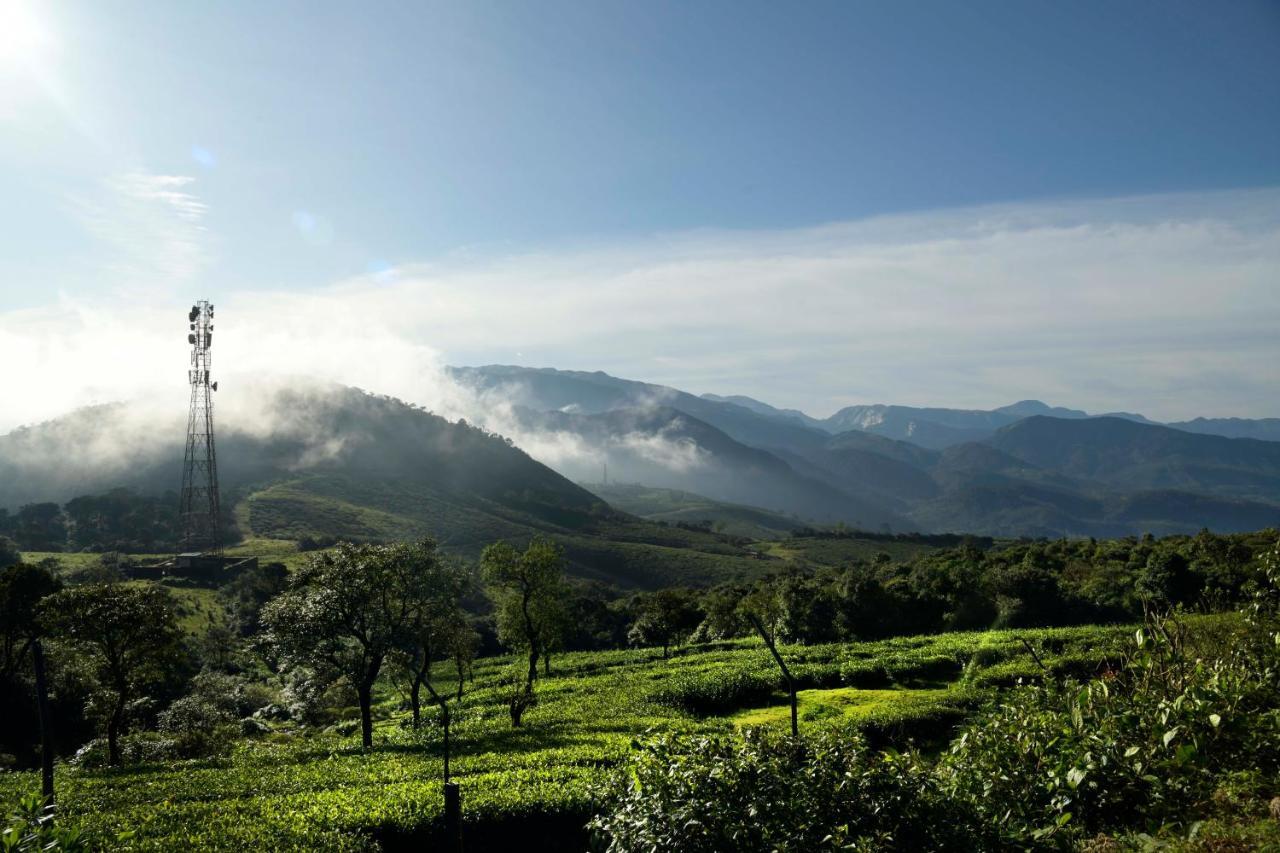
135 749
199 728
1149 743
716 691
30 827
767 792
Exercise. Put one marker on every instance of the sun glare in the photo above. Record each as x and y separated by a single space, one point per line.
24 37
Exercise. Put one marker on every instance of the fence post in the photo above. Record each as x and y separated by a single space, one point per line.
452 817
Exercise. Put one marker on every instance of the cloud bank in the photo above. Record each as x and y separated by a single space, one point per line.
1165 305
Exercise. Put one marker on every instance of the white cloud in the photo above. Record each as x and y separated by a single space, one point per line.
1165 305
153 226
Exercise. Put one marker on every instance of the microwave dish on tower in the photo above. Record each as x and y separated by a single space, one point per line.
199 511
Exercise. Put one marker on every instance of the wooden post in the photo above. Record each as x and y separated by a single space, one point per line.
452 817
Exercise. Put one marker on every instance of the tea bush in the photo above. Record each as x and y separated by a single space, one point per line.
298 787
769 792
1148 752
1153 741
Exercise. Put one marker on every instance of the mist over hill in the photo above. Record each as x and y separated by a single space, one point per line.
299 458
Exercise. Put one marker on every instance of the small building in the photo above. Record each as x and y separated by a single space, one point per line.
195 565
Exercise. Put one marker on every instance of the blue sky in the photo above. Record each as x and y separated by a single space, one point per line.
448 160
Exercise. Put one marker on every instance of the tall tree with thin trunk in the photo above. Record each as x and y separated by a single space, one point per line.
435 628
441 629
346 610
764 610
526 588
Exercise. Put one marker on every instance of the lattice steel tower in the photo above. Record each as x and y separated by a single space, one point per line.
199 511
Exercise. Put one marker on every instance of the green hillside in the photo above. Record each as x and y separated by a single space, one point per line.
675 507
341 463
605 545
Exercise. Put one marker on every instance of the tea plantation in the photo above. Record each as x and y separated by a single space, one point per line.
299 788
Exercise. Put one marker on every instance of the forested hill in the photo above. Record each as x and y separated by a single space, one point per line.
328 431
330 462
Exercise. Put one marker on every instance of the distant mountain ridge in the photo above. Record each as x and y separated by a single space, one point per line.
1023 469
942 427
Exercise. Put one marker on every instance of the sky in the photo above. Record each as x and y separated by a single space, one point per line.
815 204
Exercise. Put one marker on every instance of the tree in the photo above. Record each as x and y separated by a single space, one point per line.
249 591
525 587
345 610
1167 579
22 588
9 554
664 617
435 627
465 646
128 634
555 623
1028 593
764 609
41 527
723 619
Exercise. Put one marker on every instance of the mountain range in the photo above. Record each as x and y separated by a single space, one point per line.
1027 469
580 456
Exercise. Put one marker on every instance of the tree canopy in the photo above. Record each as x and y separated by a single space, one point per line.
128 634
344 611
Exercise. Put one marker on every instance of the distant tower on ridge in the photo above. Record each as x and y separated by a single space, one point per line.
199 511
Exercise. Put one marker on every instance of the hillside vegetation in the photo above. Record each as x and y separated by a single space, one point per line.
298 788
233 742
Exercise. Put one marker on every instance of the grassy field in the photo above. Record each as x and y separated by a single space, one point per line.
674 506
314 789
839 552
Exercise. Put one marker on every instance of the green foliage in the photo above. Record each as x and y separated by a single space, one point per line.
763 792
206 722
529 595
117 520
664 618
347 609
1164 740
1151 740
724 689
21 589
9 554
128 636
249 592
300 788
30 827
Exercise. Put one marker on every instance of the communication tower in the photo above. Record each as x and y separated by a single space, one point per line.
199 510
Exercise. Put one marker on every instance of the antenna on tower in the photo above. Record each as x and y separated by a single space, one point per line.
199 511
